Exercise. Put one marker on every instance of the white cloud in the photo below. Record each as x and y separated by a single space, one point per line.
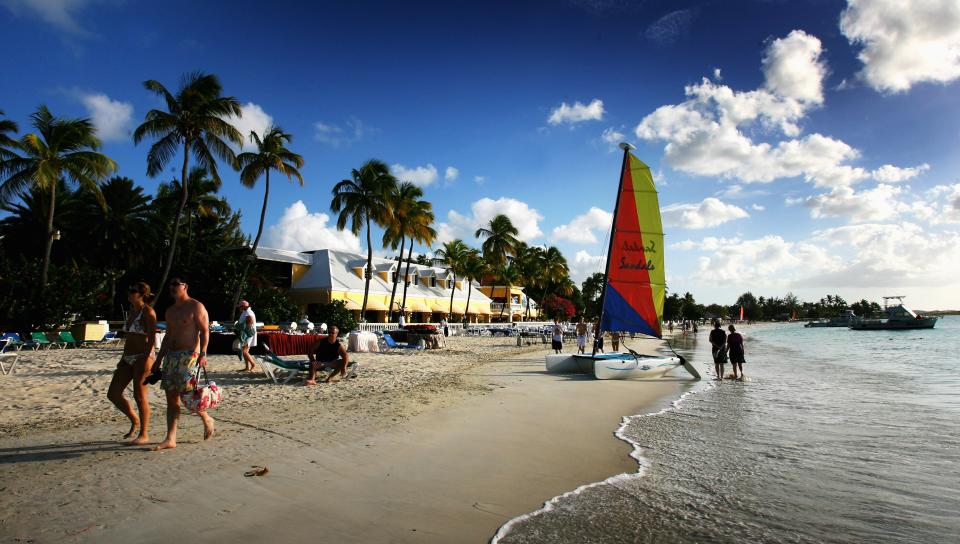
451 173
524 218
577 113
793 70
352 131
709 213
300 230
418 175
770 261
479 180
111 118
877 204
59 13
671 27
889 173
905 42
942 205
584 264
757 207
580 229
252 119
717 74
891 255
613 137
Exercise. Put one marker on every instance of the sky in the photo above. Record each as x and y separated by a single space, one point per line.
804 146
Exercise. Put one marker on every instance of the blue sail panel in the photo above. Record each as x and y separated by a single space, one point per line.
619 315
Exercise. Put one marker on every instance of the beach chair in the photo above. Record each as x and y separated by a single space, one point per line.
55 341
276 368
39 340
10 342
9 357
392 345
109 339
68 339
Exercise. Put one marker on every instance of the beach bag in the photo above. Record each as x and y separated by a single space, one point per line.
202 397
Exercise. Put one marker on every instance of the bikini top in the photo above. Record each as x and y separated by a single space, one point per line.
135 326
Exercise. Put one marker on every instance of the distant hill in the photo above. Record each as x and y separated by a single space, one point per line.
940 312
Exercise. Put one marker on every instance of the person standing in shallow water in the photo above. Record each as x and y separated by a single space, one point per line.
718 341
735 345
183 351
136 361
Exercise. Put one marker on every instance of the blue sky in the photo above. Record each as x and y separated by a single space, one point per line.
797 147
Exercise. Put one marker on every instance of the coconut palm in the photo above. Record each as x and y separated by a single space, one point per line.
419 229
453 255
528 259
271 154
403 199
474 268
509 276
60 148
553 268
7 144
195 121
202 199
500 240
361 200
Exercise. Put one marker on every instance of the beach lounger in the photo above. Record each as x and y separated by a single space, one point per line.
392 344
10 342
9 353
39 340
109 339
55 341
68 339
276 368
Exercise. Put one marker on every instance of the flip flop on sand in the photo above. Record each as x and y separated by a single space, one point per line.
256 471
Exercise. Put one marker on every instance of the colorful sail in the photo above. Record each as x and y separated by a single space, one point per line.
633 300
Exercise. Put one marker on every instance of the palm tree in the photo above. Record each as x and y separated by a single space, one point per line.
194 120
272 154
528 260
509 276
61 148
202 199
501 241
553 267
474 268
363 199
7 144
419 229
402 200
453 255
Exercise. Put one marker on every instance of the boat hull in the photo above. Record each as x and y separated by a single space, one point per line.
563 364
630 368
895 325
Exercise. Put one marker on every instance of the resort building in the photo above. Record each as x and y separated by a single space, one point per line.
321 276
510 302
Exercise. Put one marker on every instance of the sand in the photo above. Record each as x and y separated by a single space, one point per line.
436 446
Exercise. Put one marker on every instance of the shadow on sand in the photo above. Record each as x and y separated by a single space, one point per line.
57 452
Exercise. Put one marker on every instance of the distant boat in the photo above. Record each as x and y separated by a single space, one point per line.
633 295
842 320
899 317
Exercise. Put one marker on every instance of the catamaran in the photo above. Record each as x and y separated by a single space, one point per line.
633 295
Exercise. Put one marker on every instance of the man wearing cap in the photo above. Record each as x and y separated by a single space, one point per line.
248 322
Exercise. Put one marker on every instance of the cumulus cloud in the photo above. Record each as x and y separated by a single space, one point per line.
252 119
577 113
451 173
479 180
524 218
671 27
878 204
757 207
904 42
351 132
613 137
939 206
769 260
889 173
581 229
112 118
890 255
709 213
584 264
418 175
793 70
300 230
59 13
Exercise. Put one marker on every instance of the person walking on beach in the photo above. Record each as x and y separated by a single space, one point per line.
329 353
557 337
247 332
581 336
718 339
136 361
735 345
598 336
183 351
615 340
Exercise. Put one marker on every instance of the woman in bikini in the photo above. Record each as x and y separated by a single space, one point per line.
137 360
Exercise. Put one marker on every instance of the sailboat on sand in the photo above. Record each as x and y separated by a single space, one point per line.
633 295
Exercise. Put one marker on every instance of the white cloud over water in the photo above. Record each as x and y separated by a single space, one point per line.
577 112
300 230
904 42
112 118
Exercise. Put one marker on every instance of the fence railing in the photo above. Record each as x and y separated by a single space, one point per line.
456 329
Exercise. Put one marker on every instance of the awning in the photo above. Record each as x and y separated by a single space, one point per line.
441 308
417 306
351 305
458 307
479 308
376 304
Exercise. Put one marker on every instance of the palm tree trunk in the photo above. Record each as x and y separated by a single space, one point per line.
49 248
506 300
452 291
403 305
466 311
252 258
393 292
176 224
367 273
527 318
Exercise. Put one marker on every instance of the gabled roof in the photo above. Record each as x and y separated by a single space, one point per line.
282 255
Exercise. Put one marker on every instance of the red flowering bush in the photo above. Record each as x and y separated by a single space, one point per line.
558 308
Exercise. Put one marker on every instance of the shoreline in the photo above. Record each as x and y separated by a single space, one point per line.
495 441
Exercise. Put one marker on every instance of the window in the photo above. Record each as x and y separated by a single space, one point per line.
433 281
393 277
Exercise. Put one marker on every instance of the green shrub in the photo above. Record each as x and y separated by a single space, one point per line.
333 313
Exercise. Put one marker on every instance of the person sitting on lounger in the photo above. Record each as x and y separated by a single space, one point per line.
331 354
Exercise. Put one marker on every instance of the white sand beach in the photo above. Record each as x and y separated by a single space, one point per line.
435 446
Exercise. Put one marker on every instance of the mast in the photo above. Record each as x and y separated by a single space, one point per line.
606 273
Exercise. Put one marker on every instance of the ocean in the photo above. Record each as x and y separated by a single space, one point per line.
837 436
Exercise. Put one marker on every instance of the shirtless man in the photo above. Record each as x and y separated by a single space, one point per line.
184 347
581 336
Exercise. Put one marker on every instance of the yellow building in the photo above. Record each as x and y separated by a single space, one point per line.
324 275
517 308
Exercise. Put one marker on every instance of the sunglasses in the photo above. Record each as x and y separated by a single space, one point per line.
176 284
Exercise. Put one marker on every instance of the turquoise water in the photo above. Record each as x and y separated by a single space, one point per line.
838 436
